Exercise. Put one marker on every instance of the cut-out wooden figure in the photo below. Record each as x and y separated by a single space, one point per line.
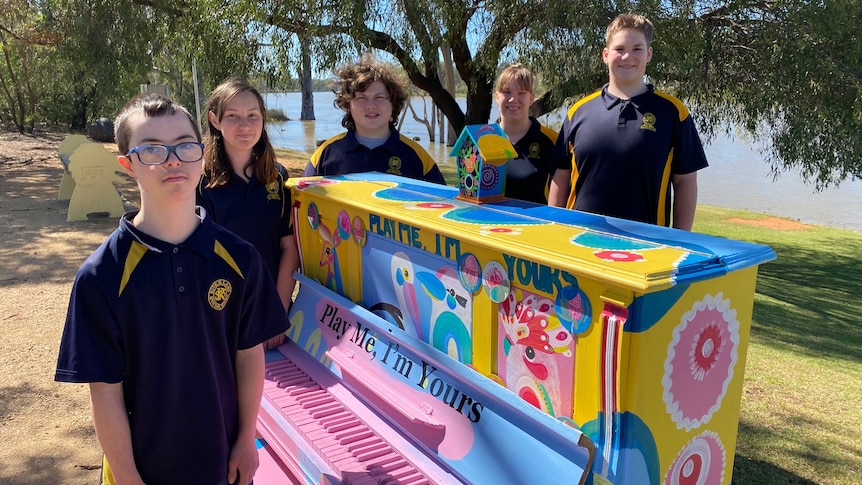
94 169
67 147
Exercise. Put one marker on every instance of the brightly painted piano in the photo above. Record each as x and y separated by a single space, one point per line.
439 340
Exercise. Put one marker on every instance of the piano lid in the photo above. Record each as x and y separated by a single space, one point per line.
631 255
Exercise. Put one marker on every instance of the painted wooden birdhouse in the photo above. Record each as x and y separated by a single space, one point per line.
482 152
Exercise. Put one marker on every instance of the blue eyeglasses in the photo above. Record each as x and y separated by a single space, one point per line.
187 152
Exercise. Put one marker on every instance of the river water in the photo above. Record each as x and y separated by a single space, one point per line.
737 177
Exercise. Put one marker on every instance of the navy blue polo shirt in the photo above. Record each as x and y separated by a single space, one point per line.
399 155
528 175
258 213
623 153
166 320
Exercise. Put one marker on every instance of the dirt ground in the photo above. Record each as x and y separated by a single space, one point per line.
46 435
45 428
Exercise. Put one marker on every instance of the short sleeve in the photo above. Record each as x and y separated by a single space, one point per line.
263 314
91 348
689 149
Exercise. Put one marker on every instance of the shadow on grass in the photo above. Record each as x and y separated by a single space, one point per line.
794 444
808 298
756 472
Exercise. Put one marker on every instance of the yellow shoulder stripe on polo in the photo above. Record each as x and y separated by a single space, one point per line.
136 253
225 255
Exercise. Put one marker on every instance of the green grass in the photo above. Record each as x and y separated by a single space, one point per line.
801 417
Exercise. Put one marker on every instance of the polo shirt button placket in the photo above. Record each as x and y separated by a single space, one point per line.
181 294
621 121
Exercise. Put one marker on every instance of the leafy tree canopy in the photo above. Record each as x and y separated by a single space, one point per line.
787 72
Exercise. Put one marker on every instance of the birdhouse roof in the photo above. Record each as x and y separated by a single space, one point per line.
491 140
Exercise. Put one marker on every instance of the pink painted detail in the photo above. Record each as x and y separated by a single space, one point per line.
497 231
311 421
538 365
359 233
343 225
528 322
307 184
435 423
700 361
469 272
619 256
434 205
329 258
270 468
614 318
418 414
701 462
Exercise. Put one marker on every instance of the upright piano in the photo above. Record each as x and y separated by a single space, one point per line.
439 340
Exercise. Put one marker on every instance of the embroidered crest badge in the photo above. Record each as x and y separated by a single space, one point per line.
219 294
648 122
272 192
394 166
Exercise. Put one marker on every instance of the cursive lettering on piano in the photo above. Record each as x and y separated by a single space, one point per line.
424 376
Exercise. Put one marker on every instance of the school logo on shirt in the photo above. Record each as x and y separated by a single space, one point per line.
394 166
648 122
219 294
272 192
535 150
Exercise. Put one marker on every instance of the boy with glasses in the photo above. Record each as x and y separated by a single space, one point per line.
372 98
166 320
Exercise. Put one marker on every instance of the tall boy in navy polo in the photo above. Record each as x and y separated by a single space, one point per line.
628 150
166 320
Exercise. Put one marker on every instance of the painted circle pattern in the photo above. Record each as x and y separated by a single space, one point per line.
313 215
490 177
700 360
469 272
701 462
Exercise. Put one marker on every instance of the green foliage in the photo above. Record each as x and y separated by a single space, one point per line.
23 71
786 71
100 58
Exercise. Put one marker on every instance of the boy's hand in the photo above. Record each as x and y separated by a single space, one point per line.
243 463
274 342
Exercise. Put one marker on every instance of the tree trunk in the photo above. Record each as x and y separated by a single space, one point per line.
307 112
449 77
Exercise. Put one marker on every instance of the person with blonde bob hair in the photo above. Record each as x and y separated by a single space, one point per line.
528 175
